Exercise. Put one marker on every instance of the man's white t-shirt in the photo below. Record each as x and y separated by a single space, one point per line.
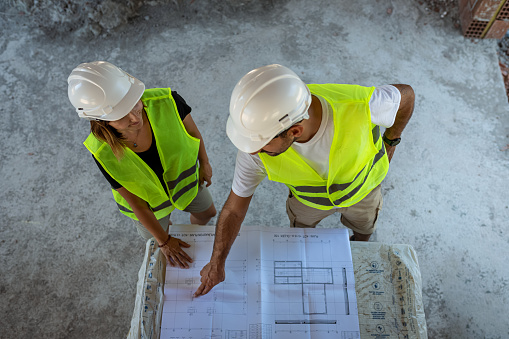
249 169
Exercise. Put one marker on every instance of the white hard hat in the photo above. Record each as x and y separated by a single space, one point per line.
265 102
102 91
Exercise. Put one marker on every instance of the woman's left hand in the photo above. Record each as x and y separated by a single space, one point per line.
205 174
174 252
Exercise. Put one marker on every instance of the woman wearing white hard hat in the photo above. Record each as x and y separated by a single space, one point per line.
148 147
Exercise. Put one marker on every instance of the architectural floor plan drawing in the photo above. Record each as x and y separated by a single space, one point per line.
280 283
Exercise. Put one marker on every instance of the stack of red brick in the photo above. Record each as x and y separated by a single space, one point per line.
485 19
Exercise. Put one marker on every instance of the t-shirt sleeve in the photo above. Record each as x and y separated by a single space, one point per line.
182 107
384 105
114 184
249 173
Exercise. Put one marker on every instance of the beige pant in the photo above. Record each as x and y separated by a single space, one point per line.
200 203
360 217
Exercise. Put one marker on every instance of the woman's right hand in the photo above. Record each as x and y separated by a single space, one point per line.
174 253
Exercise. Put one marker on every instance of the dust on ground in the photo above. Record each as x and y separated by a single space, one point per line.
449 9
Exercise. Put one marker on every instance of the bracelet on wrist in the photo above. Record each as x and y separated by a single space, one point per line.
164 243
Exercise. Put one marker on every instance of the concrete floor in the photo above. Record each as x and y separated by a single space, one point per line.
69 259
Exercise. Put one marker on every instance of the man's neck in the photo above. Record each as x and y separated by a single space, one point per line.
311 125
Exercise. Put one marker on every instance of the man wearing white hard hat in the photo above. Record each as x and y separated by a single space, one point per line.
149 149
323 141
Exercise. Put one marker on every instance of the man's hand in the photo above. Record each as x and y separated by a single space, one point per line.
227 230
389 150
211 275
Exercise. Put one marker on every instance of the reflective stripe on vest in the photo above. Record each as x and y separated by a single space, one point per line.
159 208
336 187
190 172
178 152
341 187
357 159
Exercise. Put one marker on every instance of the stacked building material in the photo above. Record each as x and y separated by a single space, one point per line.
484 19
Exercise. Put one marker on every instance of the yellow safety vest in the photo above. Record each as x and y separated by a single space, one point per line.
357 159
177 150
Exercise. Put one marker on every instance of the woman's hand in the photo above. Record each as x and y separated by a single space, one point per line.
205 173
174 253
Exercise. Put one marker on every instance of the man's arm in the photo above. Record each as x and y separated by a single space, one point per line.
227 229
406 108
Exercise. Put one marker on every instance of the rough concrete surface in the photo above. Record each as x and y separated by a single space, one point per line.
69 259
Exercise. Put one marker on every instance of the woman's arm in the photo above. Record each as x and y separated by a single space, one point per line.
172 250
205 168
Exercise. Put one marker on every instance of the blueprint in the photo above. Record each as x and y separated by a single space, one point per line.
280 283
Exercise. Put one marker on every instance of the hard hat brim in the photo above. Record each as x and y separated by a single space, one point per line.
243 143
127 104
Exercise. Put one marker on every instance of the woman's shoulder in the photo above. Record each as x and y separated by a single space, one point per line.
153 93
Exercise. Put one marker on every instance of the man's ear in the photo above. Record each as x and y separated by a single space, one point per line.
296 131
